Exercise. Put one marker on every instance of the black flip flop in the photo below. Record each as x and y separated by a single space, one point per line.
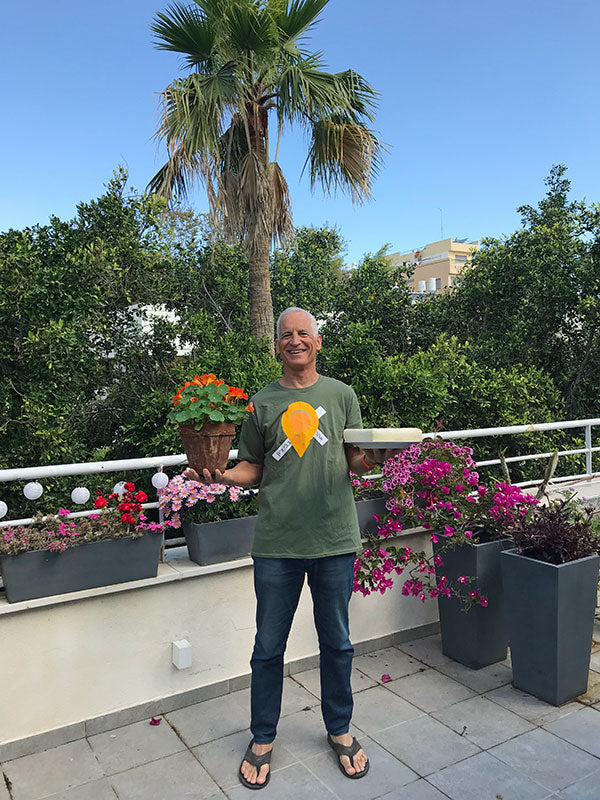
258 762
348 750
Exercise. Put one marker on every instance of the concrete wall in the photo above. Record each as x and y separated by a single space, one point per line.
78 657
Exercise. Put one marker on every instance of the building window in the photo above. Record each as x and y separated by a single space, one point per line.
462 259
438 283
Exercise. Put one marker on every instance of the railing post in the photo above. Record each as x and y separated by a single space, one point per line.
588 445
161 519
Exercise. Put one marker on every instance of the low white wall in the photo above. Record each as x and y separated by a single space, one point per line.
68 662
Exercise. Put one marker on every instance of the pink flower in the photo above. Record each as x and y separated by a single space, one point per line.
483 601
385 678
63 512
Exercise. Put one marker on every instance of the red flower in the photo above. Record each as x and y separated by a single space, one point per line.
141 497
137 507
124 506
100 502
130 487
127 519
250 408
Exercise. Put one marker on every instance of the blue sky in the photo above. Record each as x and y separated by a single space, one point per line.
477 101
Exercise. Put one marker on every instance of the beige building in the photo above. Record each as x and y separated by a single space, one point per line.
437 265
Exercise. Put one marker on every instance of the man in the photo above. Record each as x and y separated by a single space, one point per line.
292 448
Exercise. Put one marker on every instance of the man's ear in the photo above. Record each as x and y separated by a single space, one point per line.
319 342
277 350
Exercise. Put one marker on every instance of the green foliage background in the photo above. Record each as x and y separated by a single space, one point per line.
87 374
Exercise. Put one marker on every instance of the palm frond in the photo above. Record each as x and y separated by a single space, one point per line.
344 155
282 225
183 29
176 177
297 18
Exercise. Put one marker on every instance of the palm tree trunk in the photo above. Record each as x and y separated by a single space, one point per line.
259 294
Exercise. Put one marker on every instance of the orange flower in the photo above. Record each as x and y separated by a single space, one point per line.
207 378
234 391
219 382
250 408
194 399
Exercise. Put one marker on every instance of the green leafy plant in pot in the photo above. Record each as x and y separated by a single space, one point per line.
207 411
550 582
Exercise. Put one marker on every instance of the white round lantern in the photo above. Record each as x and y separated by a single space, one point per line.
80 495
33 490
3 509
119 488
160 480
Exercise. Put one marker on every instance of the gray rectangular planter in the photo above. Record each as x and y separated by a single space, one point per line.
550 613
477 637
41 573
365 510
213 542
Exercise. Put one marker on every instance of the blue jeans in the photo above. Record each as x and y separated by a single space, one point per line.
278 583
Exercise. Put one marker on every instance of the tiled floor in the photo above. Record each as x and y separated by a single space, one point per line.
435 730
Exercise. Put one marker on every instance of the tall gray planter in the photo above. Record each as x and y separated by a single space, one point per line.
213 542
365 510
478 637
41 573
550 613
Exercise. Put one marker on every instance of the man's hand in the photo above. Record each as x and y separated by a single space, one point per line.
244 474
191 475
377 456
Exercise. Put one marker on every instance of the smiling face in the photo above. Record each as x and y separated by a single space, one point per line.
297 343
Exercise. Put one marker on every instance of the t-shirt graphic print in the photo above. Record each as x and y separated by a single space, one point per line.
300 423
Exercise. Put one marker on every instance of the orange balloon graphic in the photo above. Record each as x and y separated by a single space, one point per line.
300 423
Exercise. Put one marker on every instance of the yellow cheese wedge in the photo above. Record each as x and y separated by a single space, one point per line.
368 435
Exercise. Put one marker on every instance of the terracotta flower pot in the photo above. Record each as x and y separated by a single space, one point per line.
207 448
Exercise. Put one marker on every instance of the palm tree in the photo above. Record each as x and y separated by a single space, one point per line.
247 64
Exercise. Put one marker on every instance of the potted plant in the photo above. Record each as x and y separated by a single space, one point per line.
369 500
550 584
207 411
58 554
218 521
435 485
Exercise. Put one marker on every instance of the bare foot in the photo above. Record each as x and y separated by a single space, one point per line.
360 759
249 772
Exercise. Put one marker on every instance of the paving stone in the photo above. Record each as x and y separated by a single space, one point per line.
222 758
132 745
291 783
311 681
430 690
586 789
479 680
482 722
42 774
528 706
377 708
295 698
546 759
428 650
595 661
97 790
210 719
389 661
592 694
581 728
176 777
483 777
419 790
3 790
385 772
303 734
425 745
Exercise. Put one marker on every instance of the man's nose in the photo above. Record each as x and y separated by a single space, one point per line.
295 338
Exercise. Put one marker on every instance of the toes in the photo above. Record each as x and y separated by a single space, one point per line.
347 765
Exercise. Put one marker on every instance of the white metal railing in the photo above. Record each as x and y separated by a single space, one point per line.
160 462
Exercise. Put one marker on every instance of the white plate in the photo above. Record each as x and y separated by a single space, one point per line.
382 445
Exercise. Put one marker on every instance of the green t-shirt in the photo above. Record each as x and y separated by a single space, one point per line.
305 500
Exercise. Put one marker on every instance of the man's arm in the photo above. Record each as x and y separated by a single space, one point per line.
244 474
